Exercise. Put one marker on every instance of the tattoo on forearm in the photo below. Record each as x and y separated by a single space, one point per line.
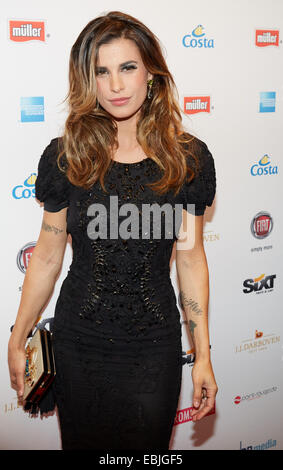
51 228
192 326
185 302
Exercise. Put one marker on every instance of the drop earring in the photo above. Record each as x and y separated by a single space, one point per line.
96 105
149 92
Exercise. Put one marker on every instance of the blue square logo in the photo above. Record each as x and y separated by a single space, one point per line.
267 102
32 109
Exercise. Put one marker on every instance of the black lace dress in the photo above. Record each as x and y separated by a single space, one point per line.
117 327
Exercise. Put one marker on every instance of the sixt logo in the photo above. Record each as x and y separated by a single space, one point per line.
21 31
197 39
266 37
188 357
260 285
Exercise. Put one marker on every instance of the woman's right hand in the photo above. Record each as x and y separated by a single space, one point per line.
17 364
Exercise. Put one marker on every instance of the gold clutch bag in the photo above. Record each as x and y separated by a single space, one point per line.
40 366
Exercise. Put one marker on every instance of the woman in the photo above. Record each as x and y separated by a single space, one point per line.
117 329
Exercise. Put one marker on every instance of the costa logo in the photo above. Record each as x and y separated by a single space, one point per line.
196 104
196 39
24 256
21 31
261 225
266 37
264 167
25 190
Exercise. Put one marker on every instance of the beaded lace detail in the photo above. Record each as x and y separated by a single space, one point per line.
121 287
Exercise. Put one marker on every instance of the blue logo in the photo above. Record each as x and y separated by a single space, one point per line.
26 190
260 446
32 109
267 102
197 39
263 167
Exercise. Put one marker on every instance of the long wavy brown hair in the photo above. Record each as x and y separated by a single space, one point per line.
90 132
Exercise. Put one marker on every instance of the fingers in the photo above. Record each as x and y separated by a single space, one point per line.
196 411
197 395
206 405
17 383
17 367
21 389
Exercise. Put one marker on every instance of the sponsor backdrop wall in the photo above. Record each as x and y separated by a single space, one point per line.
226 59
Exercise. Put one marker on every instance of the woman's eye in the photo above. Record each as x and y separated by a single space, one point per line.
126 67
129 67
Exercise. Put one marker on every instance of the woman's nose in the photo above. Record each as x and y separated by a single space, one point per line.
116 83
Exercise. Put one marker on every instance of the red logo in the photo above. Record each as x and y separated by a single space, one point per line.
184 415
261 224
237 400
21 31
196 104
266 37
24 255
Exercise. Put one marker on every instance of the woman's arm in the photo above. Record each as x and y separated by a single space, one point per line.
41 275
193 277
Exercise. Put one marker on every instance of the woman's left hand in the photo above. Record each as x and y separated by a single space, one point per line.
204 385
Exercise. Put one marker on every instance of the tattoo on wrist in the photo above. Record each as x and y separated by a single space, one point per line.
185 302
51 228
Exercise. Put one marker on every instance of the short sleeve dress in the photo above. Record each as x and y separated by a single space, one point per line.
117 326
51 186
200 192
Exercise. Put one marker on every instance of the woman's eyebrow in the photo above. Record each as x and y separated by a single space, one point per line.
121 65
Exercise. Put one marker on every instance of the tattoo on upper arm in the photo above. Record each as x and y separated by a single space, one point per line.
51 228
185 302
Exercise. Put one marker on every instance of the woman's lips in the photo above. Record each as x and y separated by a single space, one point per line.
120 101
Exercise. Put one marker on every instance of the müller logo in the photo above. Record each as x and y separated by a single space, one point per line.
266 37
21 31
196 104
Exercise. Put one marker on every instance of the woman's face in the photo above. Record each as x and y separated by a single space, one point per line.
120 73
